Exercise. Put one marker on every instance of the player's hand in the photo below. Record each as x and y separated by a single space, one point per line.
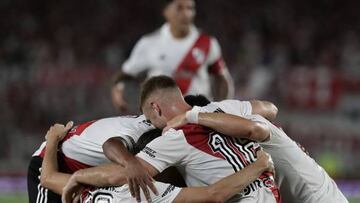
58 131
176 122
138 177
71 191
117 98
265 161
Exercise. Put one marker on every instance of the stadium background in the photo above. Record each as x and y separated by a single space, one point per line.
57 57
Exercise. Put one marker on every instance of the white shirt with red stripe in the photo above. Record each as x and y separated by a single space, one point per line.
300 178
189 60
204 156
82 146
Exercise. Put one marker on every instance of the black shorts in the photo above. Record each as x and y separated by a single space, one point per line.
37 193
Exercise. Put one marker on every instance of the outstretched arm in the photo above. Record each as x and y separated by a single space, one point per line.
101 176
50 177
227 124
235 126
227 187
264 108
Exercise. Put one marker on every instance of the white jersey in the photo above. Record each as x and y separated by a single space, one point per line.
82 146
296 172
189 61
203 156
121 194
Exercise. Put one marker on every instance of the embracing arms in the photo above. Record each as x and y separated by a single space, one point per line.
227 187
266 109
227 124
50 177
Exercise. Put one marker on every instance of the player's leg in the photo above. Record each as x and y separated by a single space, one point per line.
37 193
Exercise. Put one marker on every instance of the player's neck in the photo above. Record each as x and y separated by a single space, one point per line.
178 109
179 33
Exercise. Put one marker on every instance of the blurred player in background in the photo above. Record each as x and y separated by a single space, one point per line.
180 50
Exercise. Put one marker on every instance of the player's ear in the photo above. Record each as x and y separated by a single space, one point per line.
156 108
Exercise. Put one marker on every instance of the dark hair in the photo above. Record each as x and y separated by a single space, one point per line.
155 83
145 138
165 3
197 100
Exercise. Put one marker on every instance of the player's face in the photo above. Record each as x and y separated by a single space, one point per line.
180 13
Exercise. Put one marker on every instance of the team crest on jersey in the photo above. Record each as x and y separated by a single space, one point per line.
198 55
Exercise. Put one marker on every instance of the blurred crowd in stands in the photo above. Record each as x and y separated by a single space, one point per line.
57 58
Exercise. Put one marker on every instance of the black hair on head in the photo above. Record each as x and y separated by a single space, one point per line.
165 3
197 100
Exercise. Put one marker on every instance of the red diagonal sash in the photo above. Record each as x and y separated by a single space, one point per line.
191 63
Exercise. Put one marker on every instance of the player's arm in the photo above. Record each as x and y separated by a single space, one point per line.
117 149
222 84
106 175
227 124
117 89
224 88
50 177
131 69
235 126
227 187
266 109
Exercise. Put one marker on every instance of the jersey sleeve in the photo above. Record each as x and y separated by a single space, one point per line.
235 107
138 60
166 150
215 59
277 139
141 126
167 193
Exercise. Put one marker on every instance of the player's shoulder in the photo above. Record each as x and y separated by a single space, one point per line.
152 36
206 34
192 130
214 107
134 121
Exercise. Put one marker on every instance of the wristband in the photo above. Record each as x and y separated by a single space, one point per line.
192 116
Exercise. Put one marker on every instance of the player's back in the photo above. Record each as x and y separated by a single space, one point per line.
204 156
297 172
82 146
210 156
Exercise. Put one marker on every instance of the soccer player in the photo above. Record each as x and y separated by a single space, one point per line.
180 50
85 145
300 178
218 192
200 154
82 147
